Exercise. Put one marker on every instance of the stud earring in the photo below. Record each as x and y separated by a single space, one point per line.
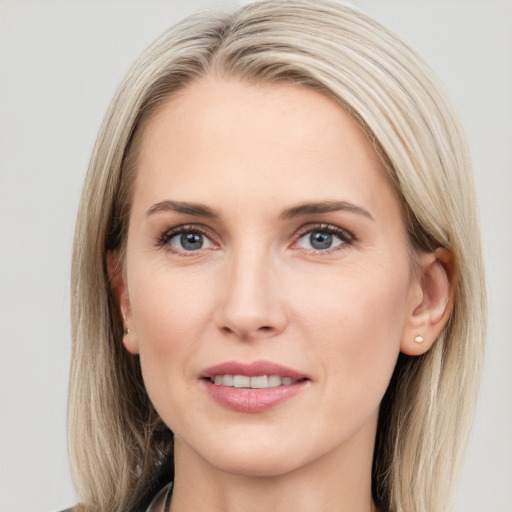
126 331
419 339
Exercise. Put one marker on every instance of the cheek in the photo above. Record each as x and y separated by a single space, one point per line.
355 318
358 297
170 314
170 309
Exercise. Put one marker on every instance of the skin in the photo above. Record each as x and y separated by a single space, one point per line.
258 290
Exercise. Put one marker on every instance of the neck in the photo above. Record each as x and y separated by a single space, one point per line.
338 481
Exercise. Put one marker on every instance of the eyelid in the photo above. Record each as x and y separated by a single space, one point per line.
324 226
163 238
347 237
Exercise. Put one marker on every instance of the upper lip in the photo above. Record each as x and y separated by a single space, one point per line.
252 370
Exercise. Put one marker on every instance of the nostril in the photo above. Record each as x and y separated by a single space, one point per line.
263 330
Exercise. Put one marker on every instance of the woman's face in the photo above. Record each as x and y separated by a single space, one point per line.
266 250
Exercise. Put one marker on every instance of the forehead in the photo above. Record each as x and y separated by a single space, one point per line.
281 141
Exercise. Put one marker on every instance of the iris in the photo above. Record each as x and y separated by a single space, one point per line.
191 241
320 240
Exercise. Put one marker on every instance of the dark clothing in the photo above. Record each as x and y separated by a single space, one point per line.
154 486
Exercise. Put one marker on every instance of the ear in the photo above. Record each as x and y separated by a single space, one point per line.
432 304
120 293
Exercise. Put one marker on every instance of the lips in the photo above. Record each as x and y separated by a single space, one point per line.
252 370
253 387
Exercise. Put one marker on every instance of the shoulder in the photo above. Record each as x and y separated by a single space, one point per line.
158 492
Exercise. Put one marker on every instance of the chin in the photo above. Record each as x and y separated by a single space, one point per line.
256 464
251 455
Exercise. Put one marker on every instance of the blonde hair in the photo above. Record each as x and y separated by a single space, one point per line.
117 441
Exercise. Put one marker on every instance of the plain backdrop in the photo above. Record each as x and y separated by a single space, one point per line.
60 63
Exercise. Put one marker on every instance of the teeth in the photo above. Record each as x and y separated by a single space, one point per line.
256 382
274 381
241 381
259 382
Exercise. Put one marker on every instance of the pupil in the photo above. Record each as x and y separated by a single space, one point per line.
320 240
191 241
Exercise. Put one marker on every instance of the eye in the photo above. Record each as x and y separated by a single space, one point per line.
185 239
190 241
323 238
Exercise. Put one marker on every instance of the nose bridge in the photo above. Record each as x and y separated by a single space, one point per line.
251 300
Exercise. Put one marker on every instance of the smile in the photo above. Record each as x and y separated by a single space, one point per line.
252 387
256 382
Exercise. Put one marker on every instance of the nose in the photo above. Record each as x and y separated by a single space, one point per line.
251 299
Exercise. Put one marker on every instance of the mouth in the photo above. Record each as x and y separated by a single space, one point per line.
254 382
253 387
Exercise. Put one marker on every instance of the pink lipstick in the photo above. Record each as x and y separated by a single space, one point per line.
252 387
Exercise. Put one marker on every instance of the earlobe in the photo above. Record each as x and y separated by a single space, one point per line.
130 341
122 299
431 313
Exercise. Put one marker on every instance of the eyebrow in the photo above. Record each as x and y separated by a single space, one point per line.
195 209
201 210
323 207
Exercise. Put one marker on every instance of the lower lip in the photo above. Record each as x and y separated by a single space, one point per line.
250 399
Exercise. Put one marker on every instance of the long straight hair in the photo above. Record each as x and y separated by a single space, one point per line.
117 441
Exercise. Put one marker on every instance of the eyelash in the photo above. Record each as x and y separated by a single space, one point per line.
163 239
346 238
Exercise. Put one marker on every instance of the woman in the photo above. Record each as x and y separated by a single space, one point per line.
277 284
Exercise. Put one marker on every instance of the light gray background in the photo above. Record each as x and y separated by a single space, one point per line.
60 63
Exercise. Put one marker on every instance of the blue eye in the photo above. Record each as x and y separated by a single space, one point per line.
186 240
319 240
323 239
